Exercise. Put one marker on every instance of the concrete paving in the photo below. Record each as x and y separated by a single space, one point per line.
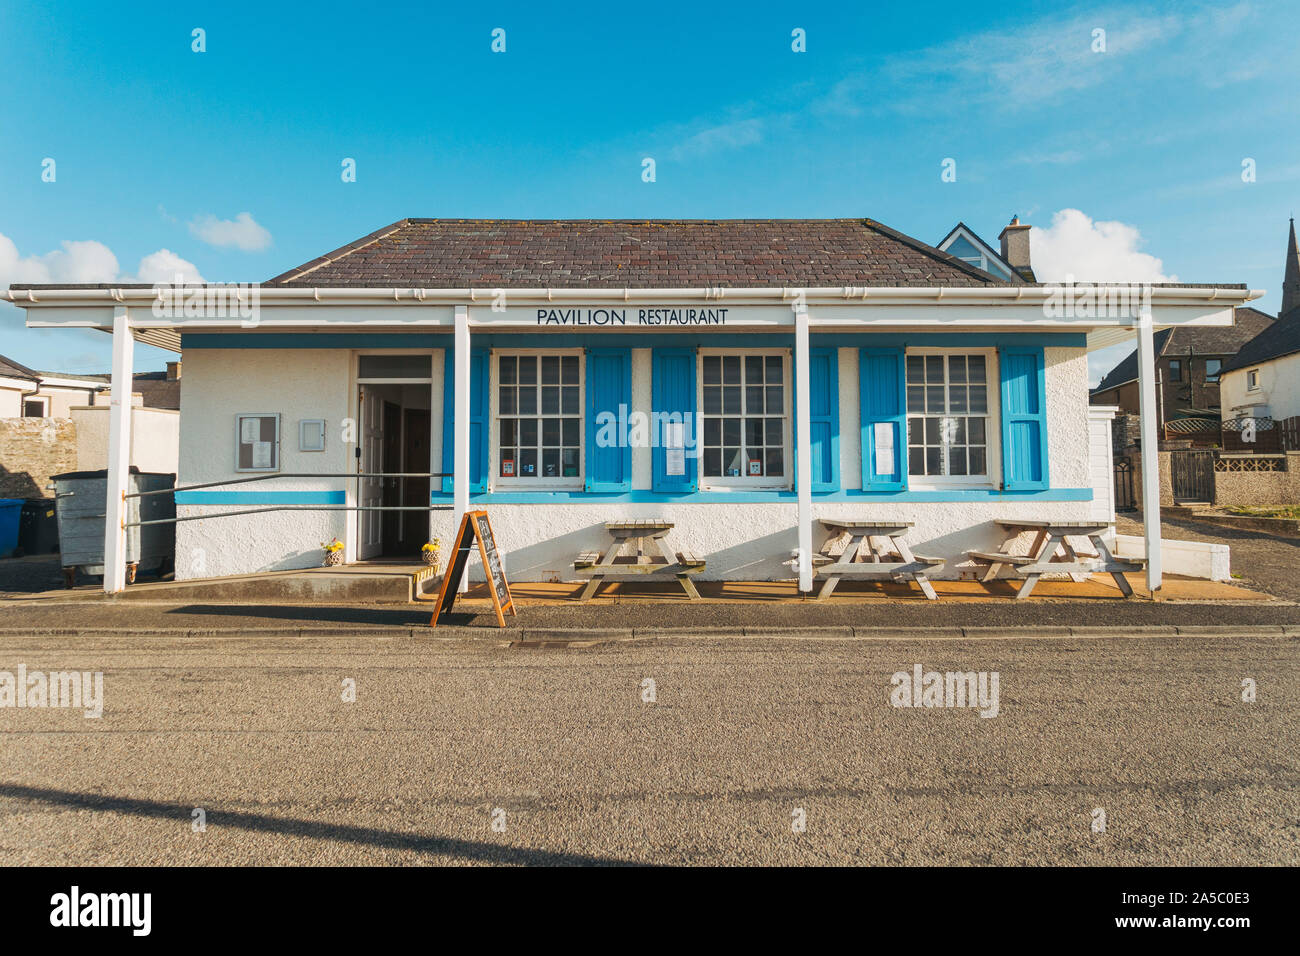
565 753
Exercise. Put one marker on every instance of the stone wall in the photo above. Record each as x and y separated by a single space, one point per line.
1259 488
33 449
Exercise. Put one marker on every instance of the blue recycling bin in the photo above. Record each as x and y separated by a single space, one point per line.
11 509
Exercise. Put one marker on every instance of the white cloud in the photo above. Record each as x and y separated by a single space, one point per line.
243 232
86 260
732 135
164 266
1092 251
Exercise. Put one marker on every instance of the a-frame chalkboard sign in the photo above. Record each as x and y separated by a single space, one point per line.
475 525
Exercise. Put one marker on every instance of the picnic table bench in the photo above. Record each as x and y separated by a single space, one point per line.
646 559
884 541
1049 536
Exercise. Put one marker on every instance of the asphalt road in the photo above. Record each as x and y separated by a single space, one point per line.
741 736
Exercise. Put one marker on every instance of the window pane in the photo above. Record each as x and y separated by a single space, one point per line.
975 429
527 400
550 370
957 460
506 400
550 463
506 368
569 462
508 463
975 364
712 399
775 400
713 462
550 431
528 370
933 368
979 399
712 370
528 431
934 399
731 431
550 399
730 398
915 370
916 461
713 431
932 462
957 369
978 465
916 431
774 370
569 370
915 398
753 432
395 366
527 466
507 432
570 400
931 431
754 399
775 462
774 430
731 369
956 398
731 463
571 431
754 368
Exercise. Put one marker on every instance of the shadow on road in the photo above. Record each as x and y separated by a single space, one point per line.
307 615
339 833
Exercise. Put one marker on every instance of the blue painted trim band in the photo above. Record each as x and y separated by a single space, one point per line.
766 497
261 497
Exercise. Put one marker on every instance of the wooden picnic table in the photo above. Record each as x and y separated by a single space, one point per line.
643 539
884 541
1049 536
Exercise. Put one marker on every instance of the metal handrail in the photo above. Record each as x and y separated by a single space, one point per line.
293 474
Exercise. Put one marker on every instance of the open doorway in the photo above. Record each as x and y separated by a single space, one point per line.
395 437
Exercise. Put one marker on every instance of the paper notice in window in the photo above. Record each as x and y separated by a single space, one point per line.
250 430
261 454
884 434
674 448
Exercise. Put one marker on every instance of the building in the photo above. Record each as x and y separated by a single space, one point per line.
25 393
1189 362
739 378
1011 264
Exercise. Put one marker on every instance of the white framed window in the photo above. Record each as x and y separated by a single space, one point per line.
257 441
311 434
537 415
745 423
1252 379
952 422
36 407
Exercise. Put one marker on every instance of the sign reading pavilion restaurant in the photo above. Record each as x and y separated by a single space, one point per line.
622 317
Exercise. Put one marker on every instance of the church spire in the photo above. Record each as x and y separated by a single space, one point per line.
1291 280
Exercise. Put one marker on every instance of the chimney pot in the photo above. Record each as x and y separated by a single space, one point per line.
1015 247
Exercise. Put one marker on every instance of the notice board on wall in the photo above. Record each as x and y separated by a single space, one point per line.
475 528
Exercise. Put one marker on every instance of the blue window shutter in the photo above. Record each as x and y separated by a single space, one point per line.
673 393
479 374
609 386
824 419
884 400
1024 419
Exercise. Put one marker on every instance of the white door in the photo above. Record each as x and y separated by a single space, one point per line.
372 459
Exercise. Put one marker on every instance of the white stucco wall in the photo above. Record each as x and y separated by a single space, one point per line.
739 541
221 383
1279 388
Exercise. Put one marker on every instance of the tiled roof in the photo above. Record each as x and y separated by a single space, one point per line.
1202 340
11 369
1276 340
604 253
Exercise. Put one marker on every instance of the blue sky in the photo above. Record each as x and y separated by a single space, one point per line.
228 161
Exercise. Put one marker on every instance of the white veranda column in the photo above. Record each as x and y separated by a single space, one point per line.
1147 410
460 466
803 453
119 453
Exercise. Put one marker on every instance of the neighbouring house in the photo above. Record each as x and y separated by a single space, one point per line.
54 422
585 371
1189 363
1010 264
1261 385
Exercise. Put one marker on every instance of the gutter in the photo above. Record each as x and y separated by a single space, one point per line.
421 296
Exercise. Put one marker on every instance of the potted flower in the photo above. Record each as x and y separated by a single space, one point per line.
431 551
333 553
